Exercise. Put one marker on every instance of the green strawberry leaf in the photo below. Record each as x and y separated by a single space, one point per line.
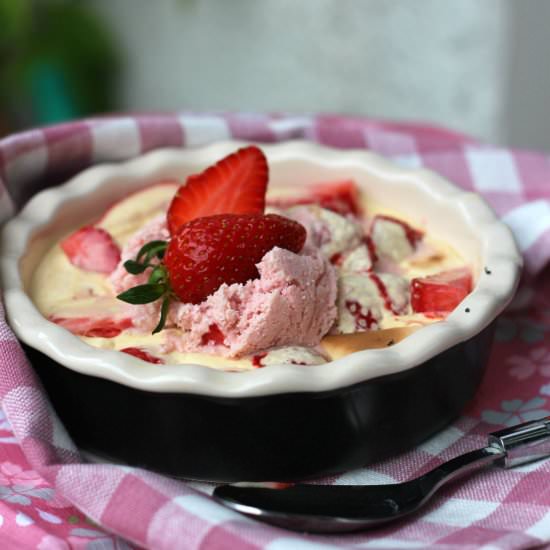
134 267
157 285
143 294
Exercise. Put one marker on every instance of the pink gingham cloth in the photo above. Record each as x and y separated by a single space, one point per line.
51 498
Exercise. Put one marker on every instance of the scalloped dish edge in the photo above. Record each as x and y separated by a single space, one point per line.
488 298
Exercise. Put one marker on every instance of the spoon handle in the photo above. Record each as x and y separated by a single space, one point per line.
506 448
522 443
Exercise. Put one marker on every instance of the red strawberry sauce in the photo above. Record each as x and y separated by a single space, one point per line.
413 235
383 292
142 354
362 321
213 336
257 360
98 328
371 247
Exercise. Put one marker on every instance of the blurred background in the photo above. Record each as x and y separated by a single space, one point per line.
476 66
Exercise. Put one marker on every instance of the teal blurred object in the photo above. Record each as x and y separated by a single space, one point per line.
57 62
50 95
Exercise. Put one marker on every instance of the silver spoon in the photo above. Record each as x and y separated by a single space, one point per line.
341 508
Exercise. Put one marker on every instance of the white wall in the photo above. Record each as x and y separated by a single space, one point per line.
443 61
527 91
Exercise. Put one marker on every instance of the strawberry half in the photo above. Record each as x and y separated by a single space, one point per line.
204 254
442 292
236 184
92 249
225 248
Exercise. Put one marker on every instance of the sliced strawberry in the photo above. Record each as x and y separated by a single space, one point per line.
225 248
234 185
105 327
142 354
442 292
92 249
341 197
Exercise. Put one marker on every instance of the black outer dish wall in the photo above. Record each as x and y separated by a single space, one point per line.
278 437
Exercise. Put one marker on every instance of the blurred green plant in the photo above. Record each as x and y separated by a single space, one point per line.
57 61
15 18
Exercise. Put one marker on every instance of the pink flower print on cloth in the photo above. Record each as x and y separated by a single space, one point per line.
13 474
516 411
525 366
20 486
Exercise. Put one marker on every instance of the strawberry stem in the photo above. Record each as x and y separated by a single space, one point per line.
163 314
158 275
157 285
152 249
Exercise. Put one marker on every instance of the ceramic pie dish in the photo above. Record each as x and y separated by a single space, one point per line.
280 422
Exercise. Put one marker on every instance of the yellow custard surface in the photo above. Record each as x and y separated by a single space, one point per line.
61 289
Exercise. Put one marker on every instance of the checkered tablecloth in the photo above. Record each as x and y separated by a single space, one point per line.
51 498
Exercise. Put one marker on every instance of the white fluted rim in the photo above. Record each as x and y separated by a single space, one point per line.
486 301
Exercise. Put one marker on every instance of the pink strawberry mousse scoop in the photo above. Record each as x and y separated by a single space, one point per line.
292 302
